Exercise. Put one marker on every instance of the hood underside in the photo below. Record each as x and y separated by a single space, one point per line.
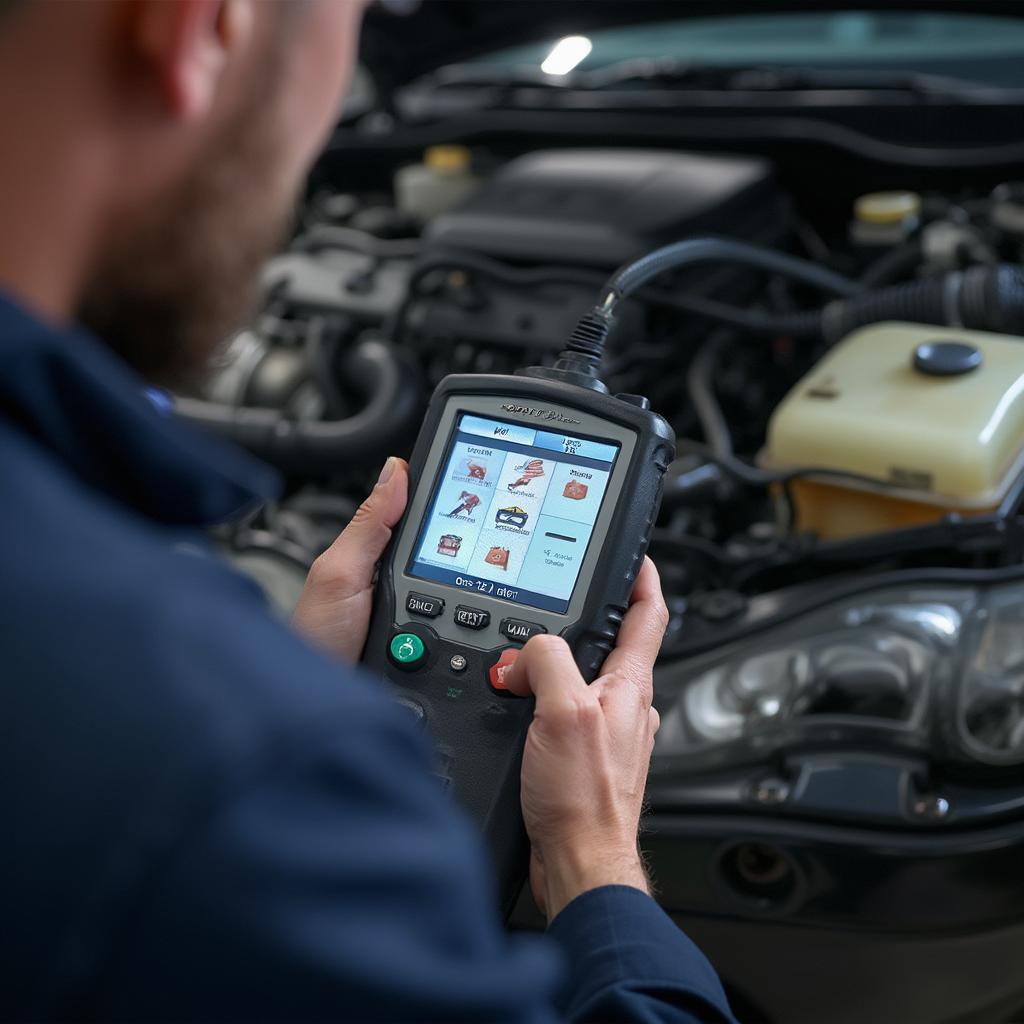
439 32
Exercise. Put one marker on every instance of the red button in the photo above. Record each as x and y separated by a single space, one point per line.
501 666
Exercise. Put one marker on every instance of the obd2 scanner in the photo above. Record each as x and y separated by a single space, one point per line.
532 499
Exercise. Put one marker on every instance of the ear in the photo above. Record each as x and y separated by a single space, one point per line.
187 45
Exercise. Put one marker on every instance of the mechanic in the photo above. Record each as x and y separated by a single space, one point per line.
209 813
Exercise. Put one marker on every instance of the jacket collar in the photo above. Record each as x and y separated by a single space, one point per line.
73 396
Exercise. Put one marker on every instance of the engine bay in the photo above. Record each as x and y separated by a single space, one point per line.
372 302
840 537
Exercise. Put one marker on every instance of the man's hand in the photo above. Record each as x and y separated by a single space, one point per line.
334 609
587 754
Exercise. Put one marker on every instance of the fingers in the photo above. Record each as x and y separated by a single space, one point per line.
546 668
346 567
642 630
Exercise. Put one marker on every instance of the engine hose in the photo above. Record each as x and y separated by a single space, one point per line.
585 346
750 321
984 298
393 403
634 275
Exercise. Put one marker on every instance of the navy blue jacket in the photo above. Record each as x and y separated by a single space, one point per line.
204 818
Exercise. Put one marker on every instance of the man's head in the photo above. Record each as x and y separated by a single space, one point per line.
190 125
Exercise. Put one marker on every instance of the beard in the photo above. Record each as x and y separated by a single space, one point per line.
175 280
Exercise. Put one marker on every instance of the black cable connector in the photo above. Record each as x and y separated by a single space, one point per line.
585 347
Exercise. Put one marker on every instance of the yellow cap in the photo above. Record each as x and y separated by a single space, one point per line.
447 158
886 207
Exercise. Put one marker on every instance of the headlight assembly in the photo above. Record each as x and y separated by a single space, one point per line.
990 708
937 671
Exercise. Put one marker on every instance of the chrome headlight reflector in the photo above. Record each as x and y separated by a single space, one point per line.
939 670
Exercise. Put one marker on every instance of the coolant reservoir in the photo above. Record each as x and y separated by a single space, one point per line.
441 182
884 218
933 415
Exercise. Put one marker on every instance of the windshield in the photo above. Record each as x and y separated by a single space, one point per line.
983 49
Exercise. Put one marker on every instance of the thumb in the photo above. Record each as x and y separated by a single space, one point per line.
545 667
347 565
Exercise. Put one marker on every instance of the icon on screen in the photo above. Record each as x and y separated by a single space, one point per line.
469 502
575 490
449 544
511 515
474 469
529 470
497 557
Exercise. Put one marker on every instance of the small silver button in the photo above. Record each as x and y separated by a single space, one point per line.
458 663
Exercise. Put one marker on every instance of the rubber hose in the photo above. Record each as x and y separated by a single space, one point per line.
893 265
726 250
585 346
751 321
393 403
979 298
700 389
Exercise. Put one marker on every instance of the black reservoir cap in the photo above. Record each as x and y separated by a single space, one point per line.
946 358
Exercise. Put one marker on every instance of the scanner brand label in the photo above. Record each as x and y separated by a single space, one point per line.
540 414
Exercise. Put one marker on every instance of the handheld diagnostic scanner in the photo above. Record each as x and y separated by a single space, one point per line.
532 501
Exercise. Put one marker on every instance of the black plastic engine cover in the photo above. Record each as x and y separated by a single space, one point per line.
601 207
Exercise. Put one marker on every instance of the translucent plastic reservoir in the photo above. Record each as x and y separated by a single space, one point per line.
934 415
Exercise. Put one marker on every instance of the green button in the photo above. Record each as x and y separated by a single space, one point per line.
407 648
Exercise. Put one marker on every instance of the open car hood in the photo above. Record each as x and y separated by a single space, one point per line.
440 32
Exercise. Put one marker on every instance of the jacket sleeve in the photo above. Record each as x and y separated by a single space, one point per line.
333 879
339 885
627 961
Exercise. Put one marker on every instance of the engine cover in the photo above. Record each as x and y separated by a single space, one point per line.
601 207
